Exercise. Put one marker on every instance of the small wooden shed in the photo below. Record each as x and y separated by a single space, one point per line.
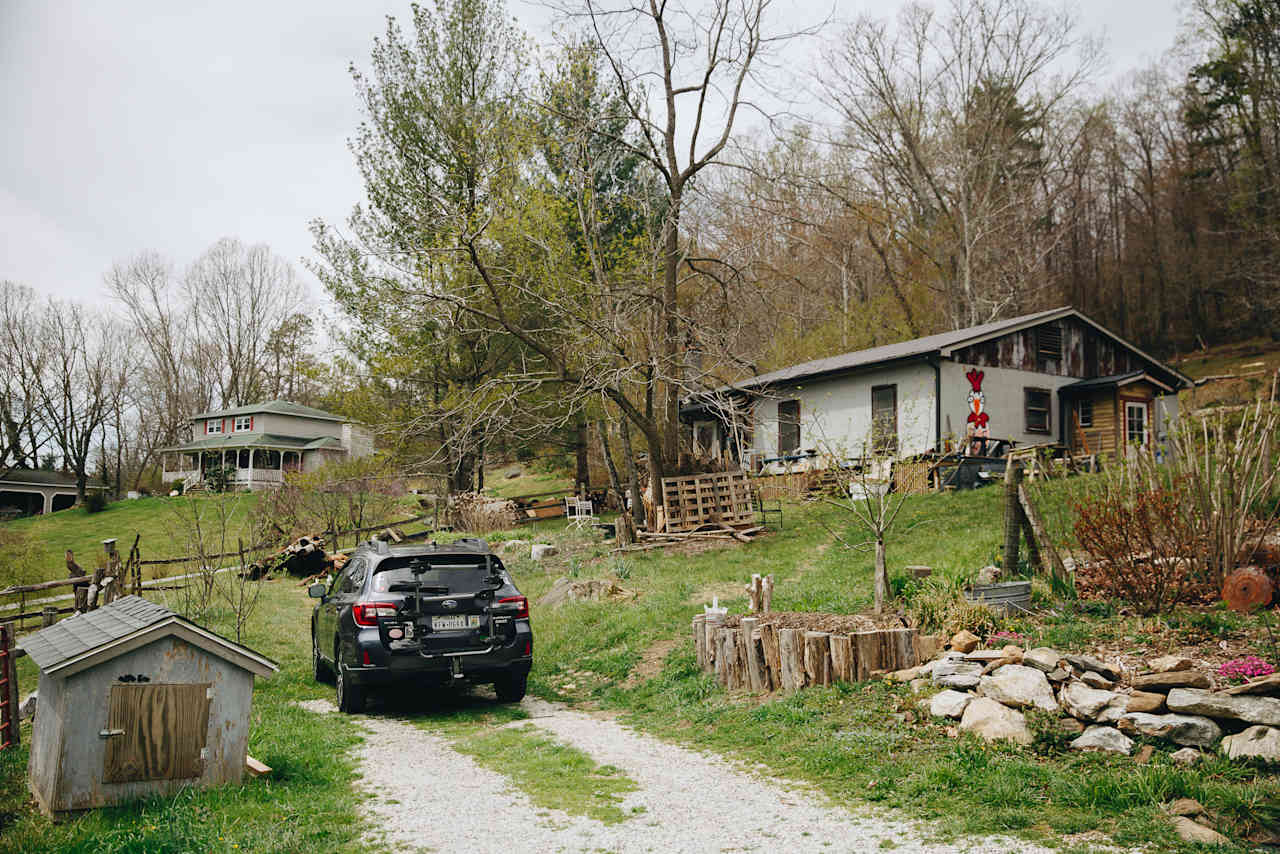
136 700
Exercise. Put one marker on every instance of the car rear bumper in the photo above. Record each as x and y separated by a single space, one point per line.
375 665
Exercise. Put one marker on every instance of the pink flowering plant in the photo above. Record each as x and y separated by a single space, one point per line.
1243 669
1008 637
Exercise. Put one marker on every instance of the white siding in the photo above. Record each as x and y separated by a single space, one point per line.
293 425
835 414
1003 401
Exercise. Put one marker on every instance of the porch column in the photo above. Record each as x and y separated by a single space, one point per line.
251 468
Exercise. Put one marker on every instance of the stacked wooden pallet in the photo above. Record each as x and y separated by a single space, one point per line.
761 657
716 499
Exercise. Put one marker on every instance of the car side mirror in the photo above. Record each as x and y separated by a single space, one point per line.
316 591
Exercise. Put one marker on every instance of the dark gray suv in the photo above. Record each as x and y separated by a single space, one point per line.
437 614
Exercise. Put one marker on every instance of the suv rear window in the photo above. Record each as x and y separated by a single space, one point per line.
459 575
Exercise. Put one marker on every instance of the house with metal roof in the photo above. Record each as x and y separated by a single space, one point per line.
135 700
26 492
264 441
1054 376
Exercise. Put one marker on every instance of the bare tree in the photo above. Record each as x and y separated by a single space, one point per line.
22 352
83 375
947 120
238 297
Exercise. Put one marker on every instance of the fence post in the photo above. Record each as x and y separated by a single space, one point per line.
49 615
1012 517
10 732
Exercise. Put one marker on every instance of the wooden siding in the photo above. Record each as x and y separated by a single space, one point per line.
1086 352
1100 438
162 729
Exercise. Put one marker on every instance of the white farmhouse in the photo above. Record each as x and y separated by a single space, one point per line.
263 441
1051 377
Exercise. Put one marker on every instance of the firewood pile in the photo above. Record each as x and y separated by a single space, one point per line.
305 557
472 511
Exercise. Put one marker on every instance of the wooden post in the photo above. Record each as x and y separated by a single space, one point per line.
49 615
742 646
1012 517
866 651
135 562
10 731
752 654
95 586
1032 515
791 655
817 658
841 658
766 594
712 623
772 658
700 640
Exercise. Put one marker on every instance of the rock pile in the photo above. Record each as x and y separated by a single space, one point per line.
989 691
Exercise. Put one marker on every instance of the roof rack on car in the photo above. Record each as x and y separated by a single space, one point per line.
379 546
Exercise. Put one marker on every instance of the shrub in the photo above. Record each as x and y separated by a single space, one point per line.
1144 552
938 605
219 478
95 502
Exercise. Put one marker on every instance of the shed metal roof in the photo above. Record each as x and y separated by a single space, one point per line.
1114 380
942 343
81 641
41 477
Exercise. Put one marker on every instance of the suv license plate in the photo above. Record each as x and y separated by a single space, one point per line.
462 621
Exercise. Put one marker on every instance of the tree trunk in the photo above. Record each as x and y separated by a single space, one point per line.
582 469
614 483
882 576
633 474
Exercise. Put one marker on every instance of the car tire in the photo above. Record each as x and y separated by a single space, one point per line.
511 688
350 695
321 671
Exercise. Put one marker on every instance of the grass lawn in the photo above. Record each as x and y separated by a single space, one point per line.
527 481
854 741
155 519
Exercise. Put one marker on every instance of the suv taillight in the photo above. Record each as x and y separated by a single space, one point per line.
367 613
520 602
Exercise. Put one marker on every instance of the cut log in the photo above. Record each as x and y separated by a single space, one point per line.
866 654
700 640
900 646
791 655
741 673
751 655
723 646
772 658
766 594
761 671
841 658
817 658
713 621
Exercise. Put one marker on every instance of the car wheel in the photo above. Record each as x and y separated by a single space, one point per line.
321 671
511 688
350 695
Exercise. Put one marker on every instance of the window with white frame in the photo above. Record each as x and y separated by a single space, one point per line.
213 425
244 423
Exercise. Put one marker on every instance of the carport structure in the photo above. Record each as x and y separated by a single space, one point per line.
35 491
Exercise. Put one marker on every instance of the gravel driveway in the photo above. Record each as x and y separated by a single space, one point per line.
426 795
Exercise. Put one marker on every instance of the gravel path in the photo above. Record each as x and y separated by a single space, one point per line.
426 795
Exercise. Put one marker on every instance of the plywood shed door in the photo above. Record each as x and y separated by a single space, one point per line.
156 732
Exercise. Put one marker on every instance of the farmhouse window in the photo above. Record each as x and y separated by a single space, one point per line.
884 419
1037 403
788 427
1084 413
244 423
213 425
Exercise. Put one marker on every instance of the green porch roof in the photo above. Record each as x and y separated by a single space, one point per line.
280 407
244 440
235 441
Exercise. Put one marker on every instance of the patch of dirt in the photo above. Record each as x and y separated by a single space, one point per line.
650 664
817 622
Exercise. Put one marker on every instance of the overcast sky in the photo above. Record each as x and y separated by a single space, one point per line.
128 125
